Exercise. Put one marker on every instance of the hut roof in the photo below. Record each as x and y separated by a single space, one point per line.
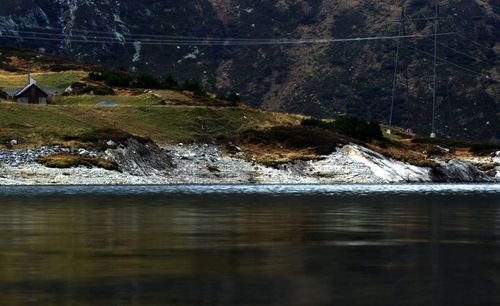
32 83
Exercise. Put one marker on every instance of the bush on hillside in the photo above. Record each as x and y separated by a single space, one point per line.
60 68
9 68
349 126
146 81
169 83
232 97
293 137
112 78
195 87
191 85
82 89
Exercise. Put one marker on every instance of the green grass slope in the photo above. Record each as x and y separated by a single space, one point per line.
35 125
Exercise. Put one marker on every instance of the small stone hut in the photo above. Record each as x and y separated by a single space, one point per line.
32 94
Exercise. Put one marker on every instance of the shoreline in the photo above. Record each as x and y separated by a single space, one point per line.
203 164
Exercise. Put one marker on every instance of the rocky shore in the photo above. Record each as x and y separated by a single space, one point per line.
146 163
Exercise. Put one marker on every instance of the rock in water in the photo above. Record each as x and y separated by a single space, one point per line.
141 159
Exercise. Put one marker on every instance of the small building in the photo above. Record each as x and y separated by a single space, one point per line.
32 94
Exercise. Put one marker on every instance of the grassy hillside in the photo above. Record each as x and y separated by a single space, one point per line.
44 79
74 119
137 100
42 125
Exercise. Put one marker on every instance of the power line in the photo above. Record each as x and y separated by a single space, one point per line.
471 40
137 35
445 60
60 32
228 42
462 53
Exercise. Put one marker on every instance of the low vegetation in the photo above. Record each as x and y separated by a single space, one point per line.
474 147
66 160
117 78
44 79
128 100
33 125
283 144
79 88
353 127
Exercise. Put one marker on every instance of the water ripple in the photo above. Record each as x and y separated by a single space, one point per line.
346 189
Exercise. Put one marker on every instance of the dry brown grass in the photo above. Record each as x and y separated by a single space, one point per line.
284 144
66 160
412 155
45 79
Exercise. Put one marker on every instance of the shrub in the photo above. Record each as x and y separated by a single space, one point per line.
60 68
233 97
191 85
112 78
117 79
103 91
8 67
146 81
82 88
96 76
482 147
349 126
169 83
195 87
295 137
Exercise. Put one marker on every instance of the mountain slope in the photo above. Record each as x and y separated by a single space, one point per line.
321 79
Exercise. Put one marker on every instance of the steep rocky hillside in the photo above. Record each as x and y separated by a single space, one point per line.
321 79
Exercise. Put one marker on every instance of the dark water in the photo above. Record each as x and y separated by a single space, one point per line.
228 245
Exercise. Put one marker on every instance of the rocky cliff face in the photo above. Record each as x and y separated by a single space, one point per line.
322 79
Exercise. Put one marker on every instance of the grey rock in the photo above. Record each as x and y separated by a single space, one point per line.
455 171
111 143
141 159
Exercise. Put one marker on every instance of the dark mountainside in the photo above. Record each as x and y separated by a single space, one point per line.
324 80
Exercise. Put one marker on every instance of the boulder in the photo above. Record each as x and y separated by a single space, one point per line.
456 171
111 143
140 159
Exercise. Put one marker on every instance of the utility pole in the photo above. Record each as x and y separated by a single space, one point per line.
395 79
433 131
29 73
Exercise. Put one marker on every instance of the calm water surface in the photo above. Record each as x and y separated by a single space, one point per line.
244 245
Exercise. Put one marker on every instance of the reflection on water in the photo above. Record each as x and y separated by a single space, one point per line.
307 245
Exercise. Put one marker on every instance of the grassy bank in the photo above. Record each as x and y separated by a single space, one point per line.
35 125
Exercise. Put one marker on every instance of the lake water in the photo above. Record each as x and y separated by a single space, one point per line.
247 245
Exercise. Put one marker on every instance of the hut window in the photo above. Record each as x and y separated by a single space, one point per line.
42 100
23 100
